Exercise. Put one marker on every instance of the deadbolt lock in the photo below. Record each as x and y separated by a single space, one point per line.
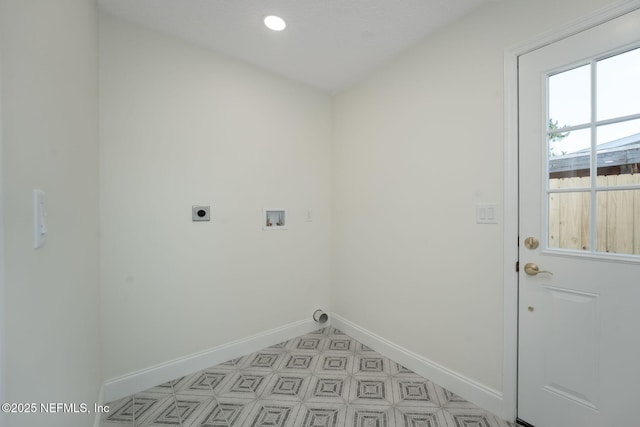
531 243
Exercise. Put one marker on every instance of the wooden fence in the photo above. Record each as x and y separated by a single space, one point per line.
618 215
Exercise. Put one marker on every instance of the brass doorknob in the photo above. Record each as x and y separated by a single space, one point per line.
532 269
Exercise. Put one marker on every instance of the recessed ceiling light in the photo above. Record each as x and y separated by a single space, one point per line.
275 23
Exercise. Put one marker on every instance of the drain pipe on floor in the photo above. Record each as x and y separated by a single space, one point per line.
320 316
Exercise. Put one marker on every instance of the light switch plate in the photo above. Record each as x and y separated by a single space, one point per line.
39 214
486 213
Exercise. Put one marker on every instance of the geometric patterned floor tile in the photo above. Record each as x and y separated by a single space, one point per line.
304 362
414 392
369 390
322 416
229 412
219 414
471 421
169 386
451 397
412 419
308 344
273 414
372 363
361 348
340 345
247 383
476 417
338 364
290 387
366 416
203 383
106 423
222 412
146 404
452 401
264 360
421 417
191 406
121 412
328 389
399 370
186 407
166 414
321 379
287 386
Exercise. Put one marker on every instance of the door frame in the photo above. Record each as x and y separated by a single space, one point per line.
511 194
3 355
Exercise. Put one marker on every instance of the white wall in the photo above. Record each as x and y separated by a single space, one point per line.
416 146
50 141
180 125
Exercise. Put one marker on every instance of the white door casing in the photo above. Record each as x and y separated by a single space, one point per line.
579 334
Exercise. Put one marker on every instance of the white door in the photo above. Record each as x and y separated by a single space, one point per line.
579 189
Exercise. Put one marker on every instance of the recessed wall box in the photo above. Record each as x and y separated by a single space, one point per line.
200 213
274 219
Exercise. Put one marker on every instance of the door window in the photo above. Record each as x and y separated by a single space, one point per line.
593 140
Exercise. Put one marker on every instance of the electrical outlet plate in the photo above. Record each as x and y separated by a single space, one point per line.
201 213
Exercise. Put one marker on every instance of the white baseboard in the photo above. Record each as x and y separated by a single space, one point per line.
135 382
476 393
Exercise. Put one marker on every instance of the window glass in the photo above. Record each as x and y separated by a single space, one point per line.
570 157
569 219
618 85
618 218
570 98
618 149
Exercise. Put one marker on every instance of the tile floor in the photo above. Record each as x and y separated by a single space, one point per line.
322 379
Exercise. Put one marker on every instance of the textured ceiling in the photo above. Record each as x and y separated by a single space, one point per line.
328 44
